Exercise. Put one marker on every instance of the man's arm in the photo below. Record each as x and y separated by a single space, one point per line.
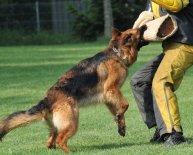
172 5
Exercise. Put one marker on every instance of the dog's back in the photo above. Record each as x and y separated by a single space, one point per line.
84 81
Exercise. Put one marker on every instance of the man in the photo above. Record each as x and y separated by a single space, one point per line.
154 85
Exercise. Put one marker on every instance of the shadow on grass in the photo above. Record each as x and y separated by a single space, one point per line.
106 146
189 140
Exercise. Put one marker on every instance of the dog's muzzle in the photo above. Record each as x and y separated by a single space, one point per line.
141 41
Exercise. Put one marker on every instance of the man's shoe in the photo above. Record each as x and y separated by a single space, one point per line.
156 137
174 138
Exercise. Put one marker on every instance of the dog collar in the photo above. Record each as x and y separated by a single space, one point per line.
118 53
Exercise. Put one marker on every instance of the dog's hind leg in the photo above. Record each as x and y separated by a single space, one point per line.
51 144
64 135
53 132
65 119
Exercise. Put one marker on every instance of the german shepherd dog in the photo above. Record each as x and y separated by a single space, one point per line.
97 78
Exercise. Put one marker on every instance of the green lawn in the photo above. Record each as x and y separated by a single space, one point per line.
26 73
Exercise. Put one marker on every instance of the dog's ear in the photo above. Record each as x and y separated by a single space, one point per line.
115 33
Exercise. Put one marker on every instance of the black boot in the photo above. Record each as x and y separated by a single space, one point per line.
175 138
156 137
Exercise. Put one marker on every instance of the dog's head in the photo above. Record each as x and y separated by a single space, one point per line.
128 43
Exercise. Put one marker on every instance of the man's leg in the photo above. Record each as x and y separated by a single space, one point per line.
178 58
141 84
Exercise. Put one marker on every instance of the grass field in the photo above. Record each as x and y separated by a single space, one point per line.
27 72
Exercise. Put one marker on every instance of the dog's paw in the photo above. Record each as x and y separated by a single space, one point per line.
121 131
51 146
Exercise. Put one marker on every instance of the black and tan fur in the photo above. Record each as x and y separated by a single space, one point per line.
97 78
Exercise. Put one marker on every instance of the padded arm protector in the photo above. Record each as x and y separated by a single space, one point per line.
172 5
143 18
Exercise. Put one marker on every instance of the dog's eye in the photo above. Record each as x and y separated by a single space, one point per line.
129 38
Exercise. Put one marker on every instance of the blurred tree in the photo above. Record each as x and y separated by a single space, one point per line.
58 11
20 1
89 22
91 18
125 12
108 17
21 14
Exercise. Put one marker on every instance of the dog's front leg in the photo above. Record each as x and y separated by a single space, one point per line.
118 105
120 119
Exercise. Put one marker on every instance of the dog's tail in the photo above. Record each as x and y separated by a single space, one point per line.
22 118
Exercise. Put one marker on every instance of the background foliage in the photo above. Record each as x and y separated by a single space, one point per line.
87 22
